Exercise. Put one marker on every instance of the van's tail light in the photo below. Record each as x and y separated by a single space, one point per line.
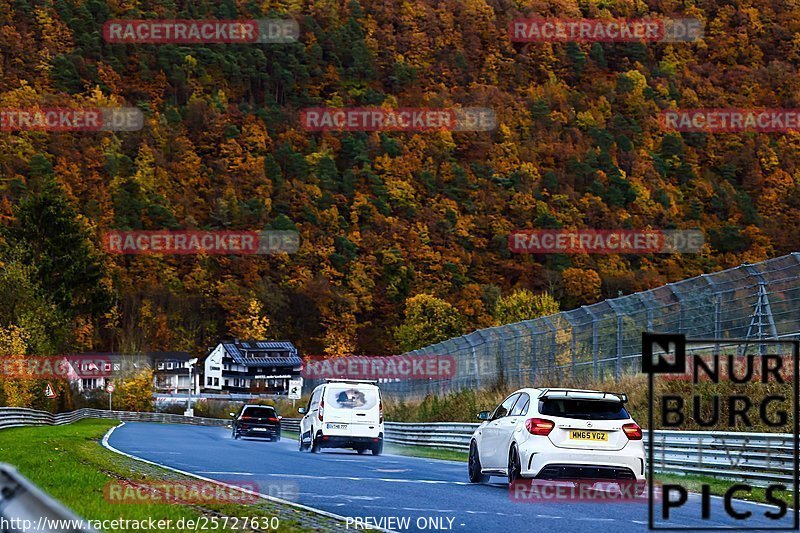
380 411
633 431
321 410
539 426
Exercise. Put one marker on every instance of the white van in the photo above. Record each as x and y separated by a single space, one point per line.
343 414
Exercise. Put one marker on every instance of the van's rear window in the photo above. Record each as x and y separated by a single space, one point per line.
584 409
351 397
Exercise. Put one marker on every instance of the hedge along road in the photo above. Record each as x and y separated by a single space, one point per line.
398 492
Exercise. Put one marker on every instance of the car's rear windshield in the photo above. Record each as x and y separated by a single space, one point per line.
351 397
259 412
583 409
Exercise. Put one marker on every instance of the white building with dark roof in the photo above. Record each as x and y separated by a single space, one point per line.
258 367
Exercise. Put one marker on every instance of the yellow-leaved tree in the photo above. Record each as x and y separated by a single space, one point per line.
18 391
134 393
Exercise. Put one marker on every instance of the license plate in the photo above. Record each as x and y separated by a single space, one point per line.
336 426
259 429
576 434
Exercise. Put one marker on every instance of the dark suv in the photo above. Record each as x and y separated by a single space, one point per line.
260 421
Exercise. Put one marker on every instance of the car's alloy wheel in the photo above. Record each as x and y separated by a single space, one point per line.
475 475
514 467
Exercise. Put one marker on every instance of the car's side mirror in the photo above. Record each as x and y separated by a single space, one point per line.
232 414
301 410
280 417
484 415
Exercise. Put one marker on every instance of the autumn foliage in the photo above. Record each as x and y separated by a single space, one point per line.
392 225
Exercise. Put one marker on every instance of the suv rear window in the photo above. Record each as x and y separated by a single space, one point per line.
259 412
351 397
583 409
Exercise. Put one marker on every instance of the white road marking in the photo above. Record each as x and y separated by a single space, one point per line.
335 516
227 473
387 480
340 496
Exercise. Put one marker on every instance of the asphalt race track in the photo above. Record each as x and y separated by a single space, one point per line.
432 494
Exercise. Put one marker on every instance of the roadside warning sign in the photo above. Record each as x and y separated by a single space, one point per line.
50 392
110 386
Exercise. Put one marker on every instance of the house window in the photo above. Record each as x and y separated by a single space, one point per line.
161 366
169 366
216 382
89 383
226 382
210 380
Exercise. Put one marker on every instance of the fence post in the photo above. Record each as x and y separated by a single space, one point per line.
618 313
595 347
717 310
552 328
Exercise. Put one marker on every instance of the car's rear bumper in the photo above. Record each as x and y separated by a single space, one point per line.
341 441
264 432
617 465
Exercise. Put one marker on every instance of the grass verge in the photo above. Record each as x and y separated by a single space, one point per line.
69 463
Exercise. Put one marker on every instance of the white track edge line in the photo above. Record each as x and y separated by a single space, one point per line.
246 491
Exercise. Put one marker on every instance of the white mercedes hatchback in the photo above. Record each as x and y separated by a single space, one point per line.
559 434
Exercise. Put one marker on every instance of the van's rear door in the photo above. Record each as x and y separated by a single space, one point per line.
353 404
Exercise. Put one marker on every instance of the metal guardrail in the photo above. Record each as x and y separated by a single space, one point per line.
14 417
24 504
759 458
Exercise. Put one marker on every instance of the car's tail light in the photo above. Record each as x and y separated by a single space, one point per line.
633 431
321 410
539 426
272 419
247 418
380 411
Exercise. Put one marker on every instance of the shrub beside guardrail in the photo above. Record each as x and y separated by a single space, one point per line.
759 458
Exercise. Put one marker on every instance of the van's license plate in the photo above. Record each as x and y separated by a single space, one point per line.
336 426
588 435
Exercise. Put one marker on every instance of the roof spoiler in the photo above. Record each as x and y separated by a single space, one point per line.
583 395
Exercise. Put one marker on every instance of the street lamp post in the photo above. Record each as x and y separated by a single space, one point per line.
189 410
